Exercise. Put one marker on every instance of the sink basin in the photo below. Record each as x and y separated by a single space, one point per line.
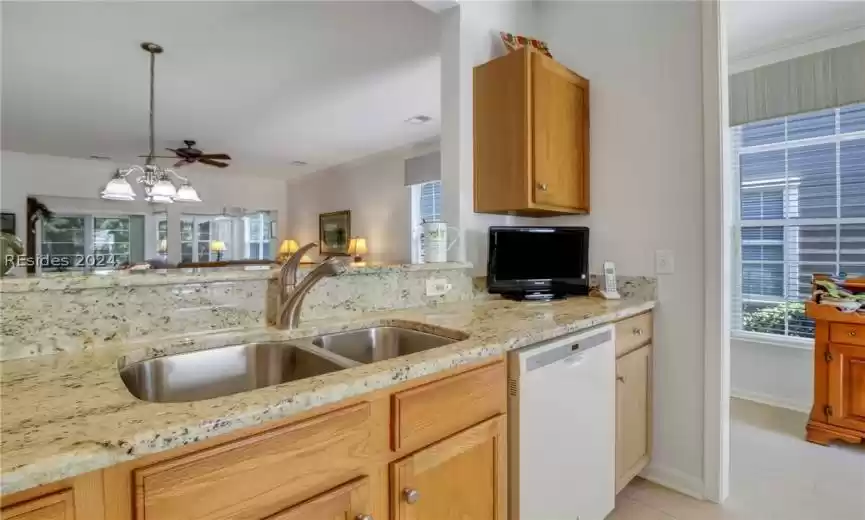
378 343
205 374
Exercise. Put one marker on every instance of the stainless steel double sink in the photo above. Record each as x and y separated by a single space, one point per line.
204 374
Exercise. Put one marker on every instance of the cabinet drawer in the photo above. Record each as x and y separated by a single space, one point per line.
633 332
848 333
430 412
259 475
56 506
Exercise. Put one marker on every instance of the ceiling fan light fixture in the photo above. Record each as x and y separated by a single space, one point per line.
157 184
186 193
118 188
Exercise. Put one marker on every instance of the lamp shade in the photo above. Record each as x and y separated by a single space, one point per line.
217 245
186 193
357 246
118 188
163 188
288 247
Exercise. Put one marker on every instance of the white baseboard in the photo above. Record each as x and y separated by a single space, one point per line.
770 400
676 480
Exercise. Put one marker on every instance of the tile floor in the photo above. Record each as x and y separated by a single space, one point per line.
775 475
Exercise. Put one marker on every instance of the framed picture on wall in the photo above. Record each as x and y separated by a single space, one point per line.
334 230
7 223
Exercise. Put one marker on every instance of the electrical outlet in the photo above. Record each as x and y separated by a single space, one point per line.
664 262
437 286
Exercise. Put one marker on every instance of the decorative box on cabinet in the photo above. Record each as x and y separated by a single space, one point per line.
531 136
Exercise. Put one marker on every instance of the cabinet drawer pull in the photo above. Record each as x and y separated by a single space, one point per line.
852 333
638 331
543 186
620 379
411 496
363 517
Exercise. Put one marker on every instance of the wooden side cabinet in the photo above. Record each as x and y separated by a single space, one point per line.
531 136
839 375
633 398
461 477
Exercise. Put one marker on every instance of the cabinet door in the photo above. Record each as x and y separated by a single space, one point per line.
633 414
350 501
56 506
560 109
847 386
459 478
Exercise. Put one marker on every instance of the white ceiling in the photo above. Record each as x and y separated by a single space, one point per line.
267 82
757 26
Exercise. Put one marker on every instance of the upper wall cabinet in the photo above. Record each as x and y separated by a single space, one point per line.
531 137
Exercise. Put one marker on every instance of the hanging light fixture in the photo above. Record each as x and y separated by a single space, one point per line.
157 183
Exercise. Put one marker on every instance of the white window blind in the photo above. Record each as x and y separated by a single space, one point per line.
801 211
430 201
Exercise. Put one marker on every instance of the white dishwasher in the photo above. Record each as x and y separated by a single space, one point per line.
562 428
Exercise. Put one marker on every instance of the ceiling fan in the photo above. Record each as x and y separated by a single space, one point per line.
190 155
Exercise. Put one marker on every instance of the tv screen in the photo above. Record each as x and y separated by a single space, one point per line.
524 258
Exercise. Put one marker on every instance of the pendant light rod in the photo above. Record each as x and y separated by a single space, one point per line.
153 49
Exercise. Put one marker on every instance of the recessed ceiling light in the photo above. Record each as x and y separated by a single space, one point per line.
299 163
418 120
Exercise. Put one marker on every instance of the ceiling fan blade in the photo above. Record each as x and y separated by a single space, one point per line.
181 152
161 156
213 163
221 156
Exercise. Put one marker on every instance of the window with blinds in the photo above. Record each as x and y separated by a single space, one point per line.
801 211
430 201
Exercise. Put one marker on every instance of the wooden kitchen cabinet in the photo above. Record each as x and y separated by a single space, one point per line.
531 136
633 397
460 478
445 432
350 501
55 506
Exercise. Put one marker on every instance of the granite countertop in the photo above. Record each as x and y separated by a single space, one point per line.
67 414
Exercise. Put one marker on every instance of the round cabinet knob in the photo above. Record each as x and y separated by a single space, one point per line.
851 333
620 379
542 186
411 495
638 331
363 517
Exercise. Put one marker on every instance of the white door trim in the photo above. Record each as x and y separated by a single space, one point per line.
717 220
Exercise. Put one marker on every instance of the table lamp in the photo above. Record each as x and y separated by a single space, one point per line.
218 247
357 248
286 249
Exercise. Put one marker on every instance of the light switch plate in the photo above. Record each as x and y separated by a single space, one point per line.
664 262
437 286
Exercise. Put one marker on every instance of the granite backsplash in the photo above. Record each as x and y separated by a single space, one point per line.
69 312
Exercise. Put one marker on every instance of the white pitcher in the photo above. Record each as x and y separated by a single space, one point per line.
433 242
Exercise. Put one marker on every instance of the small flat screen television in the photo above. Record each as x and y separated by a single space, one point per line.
538 262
